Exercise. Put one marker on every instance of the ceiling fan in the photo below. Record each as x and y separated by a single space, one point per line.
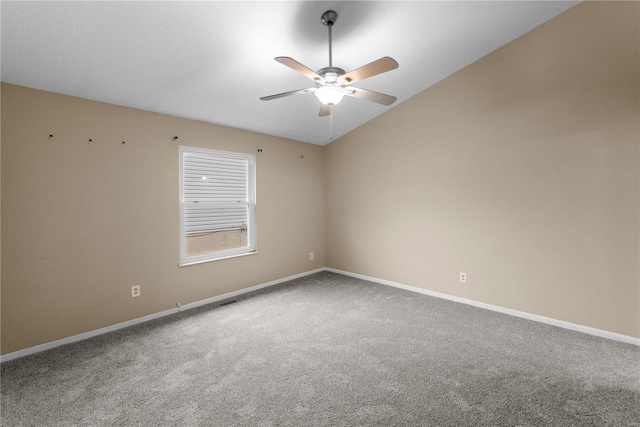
332 83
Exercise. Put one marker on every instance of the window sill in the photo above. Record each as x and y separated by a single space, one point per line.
186 264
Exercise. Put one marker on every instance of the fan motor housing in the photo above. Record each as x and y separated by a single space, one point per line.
331 70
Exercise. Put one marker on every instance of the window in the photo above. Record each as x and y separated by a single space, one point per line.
217 204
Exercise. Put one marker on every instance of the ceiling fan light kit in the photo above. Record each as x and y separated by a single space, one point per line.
333 83
329 95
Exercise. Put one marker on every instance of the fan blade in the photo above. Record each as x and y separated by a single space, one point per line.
283 94
325 110
380 66
370 95
295 65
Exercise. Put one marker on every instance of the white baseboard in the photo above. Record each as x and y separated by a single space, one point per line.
106 329
247 290
549 321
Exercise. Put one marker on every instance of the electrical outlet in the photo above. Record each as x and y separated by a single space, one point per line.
463 277
135 291
310 255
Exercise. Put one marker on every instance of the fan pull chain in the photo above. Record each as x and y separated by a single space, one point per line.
330 122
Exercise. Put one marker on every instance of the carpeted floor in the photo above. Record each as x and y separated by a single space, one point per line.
329 350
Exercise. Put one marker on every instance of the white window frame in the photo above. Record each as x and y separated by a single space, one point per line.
250 203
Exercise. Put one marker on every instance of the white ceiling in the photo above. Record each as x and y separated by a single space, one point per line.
212 61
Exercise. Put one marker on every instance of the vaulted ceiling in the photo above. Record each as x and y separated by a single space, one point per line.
212 61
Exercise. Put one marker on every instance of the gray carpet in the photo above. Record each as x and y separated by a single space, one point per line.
329 350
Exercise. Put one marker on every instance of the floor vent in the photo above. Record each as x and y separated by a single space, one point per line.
228 302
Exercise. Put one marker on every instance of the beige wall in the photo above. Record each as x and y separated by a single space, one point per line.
521 170
82 223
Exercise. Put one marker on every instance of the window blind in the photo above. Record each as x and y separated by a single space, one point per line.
217 198
215 193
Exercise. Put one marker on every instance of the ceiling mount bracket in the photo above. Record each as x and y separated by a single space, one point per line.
329 18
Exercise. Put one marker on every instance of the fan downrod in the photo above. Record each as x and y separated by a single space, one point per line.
329 18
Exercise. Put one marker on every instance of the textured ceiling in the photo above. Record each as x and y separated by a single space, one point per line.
212 61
